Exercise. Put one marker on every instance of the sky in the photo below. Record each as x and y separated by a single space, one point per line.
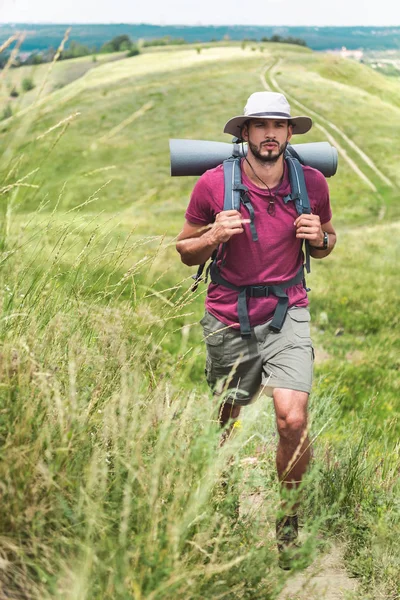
207 12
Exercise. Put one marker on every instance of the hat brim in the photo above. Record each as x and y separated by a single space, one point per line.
300 124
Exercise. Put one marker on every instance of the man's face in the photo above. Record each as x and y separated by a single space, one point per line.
267 138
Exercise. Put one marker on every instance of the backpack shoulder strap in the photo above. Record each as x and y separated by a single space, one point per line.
235 192
297 186
299 195
232 198
232 183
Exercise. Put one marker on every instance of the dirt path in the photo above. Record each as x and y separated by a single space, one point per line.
326 579
366 159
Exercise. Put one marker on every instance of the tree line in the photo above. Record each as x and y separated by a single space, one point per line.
120 43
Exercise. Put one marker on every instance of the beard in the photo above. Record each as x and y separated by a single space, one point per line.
270 156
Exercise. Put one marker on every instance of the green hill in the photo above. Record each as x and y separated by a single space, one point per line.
171 87
50 77
111 479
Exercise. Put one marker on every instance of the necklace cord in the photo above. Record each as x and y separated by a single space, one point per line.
271 200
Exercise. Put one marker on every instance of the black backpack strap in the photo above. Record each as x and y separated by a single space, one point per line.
259 291
235 192
197 277
232 183
243 316
199 274
247 204
299 195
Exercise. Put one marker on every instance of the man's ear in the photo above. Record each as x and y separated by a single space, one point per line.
290 132
244 132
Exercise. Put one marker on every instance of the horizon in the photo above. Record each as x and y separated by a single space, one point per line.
314 26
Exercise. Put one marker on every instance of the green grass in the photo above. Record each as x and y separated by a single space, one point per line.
356 323
354 99
49 77
176 103
352 74
111 479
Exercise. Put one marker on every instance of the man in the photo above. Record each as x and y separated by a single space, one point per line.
278 362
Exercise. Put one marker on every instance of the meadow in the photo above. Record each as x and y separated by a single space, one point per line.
112 483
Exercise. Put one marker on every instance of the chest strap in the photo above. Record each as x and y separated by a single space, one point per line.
259 291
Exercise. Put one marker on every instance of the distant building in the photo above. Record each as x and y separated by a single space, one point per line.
345 53
356 54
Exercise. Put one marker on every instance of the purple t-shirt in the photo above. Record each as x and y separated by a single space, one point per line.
277 255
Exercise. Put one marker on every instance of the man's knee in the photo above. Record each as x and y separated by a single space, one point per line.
291 413
291 425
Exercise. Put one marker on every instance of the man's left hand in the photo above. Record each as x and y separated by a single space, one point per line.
308 227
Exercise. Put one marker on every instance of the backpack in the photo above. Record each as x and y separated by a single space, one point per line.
236 194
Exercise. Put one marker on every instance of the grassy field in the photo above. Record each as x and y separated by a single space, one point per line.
47 77
385 62
110 477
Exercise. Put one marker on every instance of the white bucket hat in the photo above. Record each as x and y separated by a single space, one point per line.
267 105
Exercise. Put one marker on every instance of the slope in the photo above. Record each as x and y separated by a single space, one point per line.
102 364
189 94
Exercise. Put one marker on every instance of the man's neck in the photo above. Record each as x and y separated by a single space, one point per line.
260 172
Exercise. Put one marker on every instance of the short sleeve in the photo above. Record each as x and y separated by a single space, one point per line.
206 199
318 190
324 205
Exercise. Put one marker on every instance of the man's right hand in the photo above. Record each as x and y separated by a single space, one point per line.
196 243
227 224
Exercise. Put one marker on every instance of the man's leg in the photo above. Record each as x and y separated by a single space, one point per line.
294 451
292 459
228 413
233 369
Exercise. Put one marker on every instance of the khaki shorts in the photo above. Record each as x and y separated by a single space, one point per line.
237 368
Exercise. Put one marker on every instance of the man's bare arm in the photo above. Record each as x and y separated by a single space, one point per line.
196 243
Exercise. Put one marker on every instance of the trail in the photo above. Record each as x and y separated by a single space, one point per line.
325 579
366 159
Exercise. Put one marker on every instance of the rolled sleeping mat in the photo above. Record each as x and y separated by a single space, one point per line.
194 157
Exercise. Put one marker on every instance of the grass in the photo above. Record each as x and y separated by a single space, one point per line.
98 435
356 322
61 74
354 108
115 460
91 152
112 484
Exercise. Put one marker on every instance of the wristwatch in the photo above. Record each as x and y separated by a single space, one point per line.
324 244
